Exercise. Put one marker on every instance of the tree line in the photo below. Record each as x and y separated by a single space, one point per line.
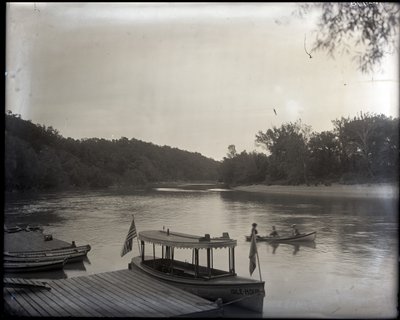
38 157
362 149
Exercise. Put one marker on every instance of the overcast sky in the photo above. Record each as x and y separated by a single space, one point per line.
198 77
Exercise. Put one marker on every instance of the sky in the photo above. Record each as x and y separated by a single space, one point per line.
195 76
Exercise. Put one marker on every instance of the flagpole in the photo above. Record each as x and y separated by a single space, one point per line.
137 238
258 261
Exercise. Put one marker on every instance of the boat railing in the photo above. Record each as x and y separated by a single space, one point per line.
184 269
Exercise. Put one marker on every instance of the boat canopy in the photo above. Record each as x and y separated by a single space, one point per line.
182 240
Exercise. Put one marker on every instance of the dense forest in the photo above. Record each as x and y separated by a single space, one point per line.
364 149
38 157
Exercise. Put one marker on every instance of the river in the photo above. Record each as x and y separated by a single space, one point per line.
351 272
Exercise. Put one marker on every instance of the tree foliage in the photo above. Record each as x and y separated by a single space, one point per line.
243 168
38 157
367 30
357 150
288 148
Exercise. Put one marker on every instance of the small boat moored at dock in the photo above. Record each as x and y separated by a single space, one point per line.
205 281
14 267
298 238
70 254
28 228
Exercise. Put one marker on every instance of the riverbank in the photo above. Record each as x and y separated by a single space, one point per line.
385 191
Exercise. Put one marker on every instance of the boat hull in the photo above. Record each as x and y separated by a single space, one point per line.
299 238
246 293
15 267
77 257
74 254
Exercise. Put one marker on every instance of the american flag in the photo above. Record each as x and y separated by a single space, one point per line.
128 241
253 252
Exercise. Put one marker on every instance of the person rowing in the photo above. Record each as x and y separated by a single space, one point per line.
274 233
295 231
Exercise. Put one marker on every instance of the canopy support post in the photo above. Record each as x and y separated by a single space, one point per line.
172 259
209 261
229 260
142 243
196 261
233 259
154 255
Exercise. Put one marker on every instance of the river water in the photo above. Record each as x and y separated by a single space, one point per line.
350 272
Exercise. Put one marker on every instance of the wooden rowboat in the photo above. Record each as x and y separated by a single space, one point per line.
18 228
13 267
204 281
74 257
12 229
71 254
298 238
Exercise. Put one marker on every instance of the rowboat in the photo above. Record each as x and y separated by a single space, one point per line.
18 229
205 281
71 254
13 267
12 229
298 238
34 228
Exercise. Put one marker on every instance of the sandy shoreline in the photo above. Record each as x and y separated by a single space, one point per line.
385 191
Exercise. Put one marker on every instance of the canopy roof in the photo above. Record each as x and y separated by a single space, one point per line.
182 240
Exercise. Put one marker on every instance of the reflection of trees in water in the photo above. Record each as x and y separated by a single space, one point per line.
44 217
358 225
352 224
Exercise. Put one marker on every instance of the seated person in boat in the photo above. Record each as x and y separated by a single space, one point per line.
295 231
274 233
254 229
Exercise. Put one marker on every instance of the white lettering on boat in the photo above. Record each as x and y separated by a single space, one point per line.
244 292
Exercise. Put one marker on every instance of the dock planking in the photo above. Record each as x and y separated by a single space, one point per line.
165 295
123 293
118 293
150 299
119 299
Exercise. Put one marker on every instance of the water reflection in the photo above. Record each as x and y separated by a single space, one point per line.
295 246
75 266
86 259
356 254
348 221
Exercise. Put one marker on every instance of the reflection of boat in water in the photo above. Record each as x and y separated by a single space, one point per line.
75 266
204 281
296 246
304 237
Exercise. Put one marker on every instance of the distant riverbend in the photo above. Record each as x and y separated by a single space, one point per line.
389 191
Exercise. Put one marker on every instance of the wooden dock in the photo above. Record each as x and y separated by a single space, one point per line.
123 293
